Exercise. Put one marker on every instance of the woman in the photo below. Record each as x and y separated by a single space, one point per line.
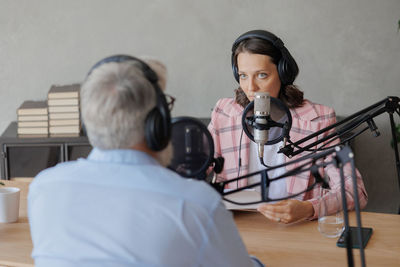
261 63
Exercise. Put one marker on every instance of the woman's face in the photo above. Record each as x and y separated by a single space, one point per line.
257 73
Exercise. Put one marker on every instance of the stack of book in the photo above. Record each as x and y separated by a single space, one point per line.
64 116
33 118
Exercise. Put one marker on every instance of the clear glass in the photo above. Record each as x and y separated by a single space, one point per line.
330 217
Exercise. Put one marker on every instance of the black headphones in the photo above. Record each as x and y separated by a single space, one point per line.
287 66
158 121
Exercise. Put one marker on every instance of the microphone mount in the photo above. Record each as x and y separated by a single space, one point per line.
313 164
390 105
314 161
250 121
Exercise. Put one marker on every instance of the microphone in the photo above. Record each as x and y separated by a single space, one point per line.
193 157
196 151
266 121
193 149
262 103
193 143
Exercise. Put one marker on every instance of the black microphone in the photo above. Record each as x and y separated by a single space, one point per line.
270 122
193 149
193 146
193 157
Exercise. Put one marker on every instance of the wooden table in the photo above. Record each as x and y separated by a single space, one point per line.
301 244
15 238
275 244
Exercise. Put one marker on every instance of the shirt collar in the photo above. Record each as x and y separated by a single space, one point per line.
306 112
232 108
127 156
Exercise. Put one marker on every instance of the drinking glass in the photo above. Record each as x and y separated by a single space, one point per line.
330 217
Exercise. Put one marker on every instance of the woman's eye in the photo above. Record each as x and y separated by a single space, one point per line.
242 76
262 75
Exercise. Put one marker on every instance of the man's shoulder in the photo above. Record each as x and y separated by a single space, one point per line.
55 173
191 191
154 179
199 193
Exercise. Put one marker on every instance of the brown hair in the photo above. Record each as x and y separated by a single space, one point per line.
289 94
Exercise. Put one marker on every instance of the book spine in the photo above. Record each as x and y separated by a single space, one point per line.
63 109
64 102
64 115
33 130
33 118
64 122
33 124
32 112
63 95
64 129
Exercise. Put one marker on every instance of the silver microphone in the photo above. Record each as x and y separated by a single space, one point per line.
262 107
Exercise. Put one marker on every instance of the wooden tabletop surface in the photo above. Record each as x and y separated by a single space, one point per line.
275 244
301 244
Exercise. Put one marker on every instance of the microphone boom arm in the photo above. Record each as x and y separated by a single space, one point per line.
313 158
390 105
342 156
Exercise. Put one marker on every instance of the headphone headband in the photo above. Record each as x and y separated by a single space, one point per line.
158 120
150 74
260 34
287 67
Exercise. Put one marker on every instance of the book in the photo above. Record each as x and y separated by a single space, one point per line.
63 109
63 102
244 196
64 115
33 124
64 91
33 108
33 118
64 129
65 135
33 135
33 130
64 122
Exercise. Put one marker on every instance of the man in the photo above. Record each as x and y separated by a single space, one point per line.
121 206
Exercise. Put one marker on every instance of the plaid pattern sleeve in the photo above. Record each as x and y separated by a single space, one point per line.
309 119
225 128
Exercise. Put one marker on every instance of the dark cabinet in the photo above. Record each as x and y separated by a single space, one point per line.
27 156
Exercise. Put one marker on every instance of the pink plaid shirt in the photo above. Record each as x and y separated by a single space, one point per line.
226 128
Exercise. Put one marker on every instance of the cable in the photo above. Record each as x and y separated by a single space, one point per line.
240 158
262 163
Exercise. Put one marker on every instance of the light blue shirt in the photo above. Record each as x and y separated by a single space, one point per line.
121 208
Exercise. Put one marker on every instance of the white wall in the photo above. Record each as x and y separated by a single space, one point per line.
348 50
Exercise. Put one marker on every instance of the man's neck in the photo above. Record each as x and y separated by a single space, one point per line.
142 146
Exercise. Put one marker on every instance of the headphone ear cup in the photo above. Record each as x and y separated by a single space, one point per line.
235 72
283 72
154 131
287 68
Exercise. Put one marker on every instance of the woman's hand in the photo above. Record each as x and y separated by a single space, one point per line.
287 211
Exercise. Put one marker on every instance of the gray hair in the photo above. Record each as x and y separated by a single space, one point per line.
159 68
115 100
